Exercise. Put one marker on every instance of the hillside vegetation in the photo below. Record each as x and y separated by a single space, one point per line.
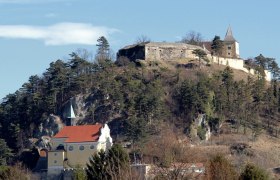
141 100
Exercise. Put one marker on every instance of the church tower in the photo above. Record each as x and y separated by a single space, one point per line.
231 46
70 115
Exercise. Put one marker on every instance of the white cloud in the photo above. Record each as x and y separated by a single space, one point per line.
57 34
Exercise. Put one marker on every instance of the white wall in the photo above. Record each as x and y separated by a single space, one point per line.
233 63
105 141
237 64
237 49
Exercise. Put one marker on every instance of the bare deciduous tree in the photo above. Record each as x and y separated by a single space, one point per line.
192 37
142 39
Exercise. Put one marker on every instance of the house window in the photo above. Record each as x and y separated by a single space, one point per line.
81 148
55 162
55 154
70 148
91 147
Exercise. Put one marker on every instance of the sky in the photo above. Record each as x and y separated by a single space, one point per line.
34 33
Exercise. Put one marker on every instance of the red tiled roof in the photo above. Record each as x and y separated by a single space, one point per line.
86 133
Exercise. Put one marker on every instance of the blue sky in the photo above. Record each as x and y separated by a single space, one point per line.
33 33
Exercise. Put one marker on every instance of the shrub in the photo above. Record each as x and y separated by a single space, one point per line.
220 168
253 172
201 132
14 172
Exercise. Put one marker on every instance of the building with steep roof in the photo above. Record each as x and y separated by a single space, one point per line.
231 46
74 145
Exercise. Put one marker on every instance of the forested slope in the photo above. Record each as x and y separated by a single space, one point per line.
136 98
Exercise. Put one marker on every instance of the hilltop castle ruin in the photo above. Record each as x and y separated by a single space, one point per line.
163 51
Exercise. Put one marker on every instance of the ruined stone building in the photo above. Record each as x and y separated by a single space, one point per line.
158 51
163 51
171 51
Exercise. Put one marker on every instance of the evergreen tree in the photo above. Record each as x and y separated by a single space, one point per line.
5 152
201 54
96 168
217 46
103 50
111 165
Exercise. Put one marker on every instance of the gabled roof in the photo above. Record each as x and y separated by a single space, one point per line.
77 134
229 35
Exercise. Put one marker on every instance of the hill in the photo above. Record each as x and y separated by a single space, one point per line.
141 101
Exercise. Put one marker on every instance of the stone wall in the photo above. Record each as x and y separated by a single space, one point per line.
159 51
167 53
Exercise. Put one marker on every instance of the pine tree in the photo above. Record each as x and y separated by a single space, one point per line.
103 50
201 54
111 165
5 152
217 46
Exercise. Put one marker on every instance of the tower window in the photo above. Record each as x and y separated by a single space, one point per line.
229 47
228 53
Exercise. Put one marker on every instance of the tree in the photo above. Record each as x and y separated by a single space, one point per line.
117 162
96 168
79 173
220 168
217 46
274 69
252 172
103 50
142 39
261 61
193 38
5 152
111 165
201 54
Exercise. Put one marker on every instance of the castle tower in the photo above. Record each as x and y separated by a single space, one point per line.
231 46
70 115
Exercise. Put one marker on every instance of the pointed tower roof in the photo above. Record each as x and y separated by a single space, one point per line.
229 35
70 112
